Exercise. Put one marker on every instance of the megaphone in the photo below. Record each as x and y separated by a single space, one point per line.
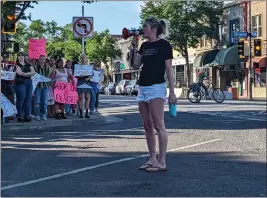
126 33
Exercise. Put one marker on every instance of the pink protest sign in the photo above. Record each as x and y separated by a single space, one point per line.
65 93
37 48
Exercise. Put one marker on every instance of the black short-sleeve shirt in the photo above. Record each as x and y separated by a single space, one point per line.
154 55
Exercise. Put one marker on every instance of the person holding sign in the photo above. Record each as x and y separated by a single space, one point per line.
94 95
41 91
84 91
23 88
61 75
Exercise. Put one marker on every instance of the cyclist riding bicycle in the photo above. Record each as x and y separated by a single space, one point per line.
202 77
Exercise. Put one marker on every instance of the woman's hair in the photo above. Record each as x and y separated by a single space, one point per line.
57 62
162 26
19 54
68 61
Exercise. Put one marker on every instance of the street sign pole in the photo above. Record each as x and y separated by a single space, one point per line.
250 55
83 36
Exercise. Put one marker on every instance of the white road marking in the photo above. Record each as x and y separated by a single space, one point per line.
244 117
96 166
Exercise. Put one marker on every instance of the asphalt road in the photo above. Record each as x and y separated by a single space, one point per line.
214 150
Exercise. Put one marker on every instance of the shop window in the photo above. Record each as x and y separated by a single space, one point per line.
257 25
260 77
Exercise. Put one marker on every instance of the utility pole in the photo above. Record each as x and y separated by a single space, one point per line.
82 36
250 55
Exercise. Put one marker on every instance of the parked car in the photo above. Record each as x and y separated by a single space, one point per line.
132 88
110 89
121 87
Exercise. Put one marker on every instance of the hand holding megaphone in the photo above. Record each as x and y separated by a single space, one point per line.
126 33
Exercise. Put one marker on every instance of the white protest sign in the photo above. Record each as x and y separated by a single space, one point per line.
83 70
8 108
7 75
84 86
96 77
38 78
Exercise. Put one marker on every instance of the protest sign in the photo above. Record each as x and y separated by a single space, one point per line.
83 70
96 77
8 108
7 75
65 93
38 78
37 48
50 98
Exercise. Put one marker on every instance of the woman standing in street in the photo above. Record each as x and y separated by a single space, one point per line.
84 91
156 57
41 91
23 89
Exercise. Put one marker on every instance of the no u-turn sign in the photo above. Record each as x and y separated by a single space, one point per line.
82 27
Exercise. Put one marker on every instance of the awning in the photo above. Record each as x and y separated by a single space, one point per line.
205 58
261 60
228 56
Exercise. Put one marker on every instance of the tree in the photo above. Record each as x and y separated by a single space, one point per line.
189 21
101 48
18 7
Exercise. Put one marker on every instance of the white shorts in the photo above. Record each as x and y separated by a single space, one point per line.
147 93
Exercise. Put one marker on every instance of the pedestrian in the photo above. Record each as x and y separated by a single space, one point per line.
94 101
23 88
156 57
41 91
60 75
69 107
51 64
84 92
7 86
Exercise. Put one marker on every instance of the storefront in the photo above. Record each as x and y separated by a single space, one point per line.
126 75
179 69
203 63
259 82
231 75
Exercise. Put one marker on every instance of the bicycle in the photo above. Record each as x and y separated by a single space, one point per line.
196 93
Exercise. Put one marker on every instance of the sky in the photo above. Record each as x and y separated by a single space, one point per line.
112 15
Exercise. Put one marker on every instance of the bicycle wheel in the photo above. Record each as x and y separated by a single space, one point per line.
193 97
218 95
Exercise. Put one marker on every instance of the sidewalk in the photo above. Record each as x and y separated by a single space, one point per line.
52 122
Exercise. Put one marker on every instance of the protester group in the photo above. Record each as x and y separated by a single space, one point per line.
48 88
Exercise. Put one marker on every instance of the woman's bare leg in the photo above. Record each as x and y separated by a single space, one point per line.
149 131
156 107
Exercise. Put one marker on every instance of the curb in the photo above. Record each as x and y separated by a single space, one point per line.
67 123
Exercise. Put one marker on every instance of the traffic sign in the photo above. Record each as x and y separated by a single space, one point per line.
241 34
82 27
254 34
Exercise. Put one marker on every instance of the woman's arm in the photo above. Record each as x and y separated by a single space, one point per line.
31 73
168 64
20 72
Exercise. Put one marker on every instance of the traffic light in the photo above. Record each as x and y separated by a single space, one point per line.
10 27
257 47
241 48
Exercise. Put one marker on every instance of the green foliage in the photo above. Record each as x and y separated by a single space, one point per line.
102 47
189 21
18 7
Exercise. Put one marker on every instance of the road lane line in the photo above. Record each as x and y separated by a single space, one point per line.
96 166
